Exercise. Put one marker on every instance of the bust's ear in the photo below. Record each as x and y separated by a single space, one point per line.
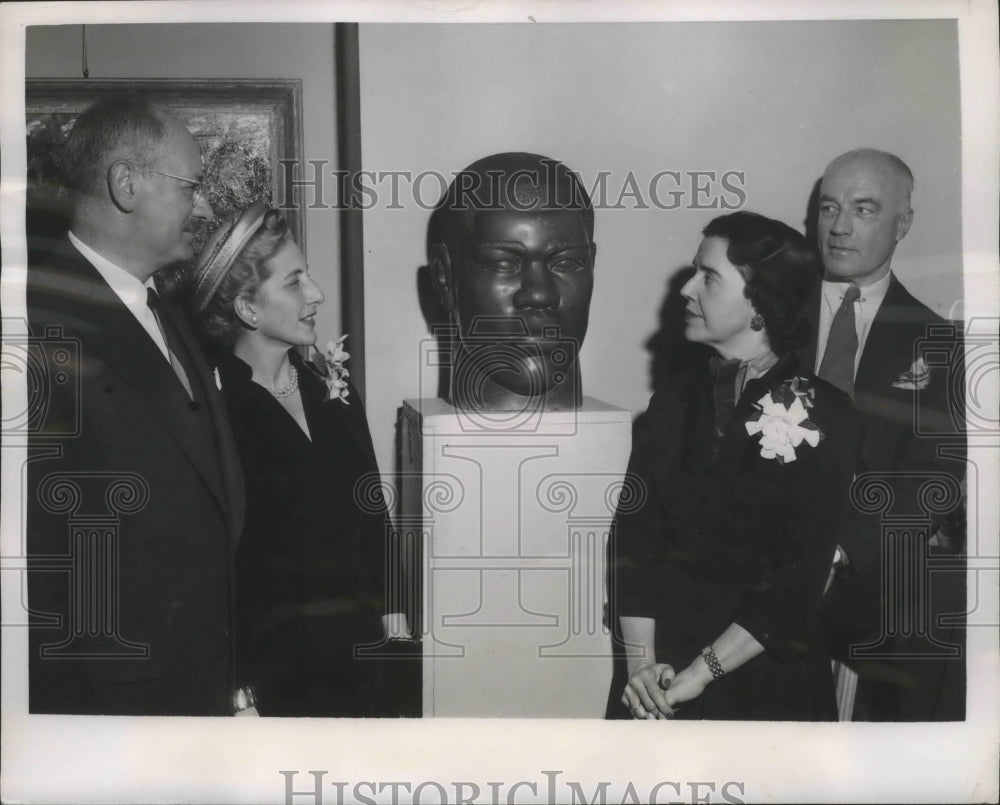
441 276
121 185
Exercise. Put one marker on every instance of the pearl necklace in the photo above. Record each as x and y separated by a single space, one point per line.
281 392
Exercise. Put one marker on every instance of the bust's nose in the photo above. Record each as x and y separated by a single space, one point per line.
538 290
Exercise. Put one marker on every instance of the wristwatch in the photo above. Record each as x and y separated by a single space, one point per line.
244 698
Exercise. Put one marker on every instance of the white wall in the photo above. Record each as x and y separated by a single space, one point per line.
776 100
304 50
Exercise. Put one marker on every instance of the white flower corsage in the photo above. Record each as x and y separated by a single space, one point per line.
336 373
782 420
918 378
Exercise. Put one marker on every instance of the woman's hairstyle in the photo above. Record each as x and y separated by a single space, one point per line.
234 262
780 270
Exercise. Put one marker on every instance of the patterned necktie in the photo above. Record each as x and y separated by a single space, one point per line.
842 345
166 328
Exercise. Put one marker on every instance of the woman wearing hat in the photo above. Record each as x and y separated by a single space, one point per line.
312 562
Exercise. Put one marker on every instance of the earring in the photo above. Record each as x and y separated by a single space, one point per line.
757 323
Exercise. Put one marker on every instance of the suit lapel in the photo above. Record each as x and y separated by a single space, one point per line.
888 350
228 456
113 332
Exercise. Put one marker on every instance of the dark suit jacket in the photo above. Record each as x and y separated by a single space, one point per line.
135 505
908 436
712 540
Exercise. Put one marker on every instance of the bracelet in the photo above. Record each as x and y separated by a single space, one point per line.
708 654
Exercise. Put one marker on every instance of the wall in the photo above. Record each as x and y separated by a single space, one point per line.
304 51
775 100
772 100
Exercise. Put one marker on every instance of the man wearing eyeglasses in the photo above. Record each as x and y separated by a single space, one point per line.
135 497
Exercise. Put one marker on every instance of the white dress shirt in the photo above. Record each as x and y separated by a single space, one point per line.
129 289
865 308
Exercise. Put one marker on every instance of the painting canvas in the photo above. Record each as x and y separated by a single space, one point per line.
248 131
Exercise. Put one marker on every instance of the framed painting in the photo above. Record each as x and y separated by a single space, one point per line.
247 129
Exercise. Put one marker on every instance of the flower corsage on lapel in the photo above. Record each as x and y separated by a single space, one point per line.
334 357
782 420
917 379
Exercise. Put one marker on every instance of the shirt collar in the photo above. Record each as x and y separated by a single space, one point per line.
758 365
762 363
871 295
129 288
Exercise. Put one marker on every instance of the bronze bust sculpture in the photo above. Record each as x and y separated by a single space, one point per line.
511 257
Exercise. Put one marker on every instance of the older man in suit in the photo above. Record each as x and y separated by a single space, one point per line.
135 496
885 612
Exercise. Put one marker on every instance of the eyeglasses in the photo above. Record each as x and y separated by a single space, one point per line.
195 185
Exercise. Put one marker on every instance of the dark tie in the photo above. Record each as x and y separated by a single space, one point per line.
838 368
170 337
842 345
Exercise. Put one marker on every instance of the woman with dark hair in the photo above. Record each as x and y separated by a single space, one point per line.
311 566
741 470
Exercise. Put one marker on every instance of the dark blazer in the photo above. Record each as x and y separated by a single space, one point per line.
907 437
135 506
312 566
717 534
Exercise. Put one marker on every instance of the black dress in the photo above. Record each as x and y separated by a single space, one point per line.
311 566
717 534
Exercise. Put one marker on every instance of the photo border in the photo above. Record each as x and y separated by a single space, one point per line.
202 760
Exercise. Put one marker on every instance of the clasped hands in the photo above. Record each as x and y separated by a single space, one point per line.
655 692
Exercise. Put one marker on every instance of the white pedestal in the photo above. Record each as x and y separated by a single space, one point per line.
514 513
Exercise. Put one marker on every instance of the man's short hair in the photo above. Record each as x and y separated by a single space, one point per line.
896 166
119 127
514 181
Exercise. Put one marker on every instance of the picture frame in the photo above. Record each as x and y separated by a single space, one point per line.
249 130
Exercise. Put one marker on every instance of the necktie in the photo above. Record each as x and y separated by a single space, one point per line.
838 368
170 337
842 345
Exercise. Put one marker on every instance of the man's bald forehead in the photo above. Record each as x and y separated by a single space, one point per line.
877 164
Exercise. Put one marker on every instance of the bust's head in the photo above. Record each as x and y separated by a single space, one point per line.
511 254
